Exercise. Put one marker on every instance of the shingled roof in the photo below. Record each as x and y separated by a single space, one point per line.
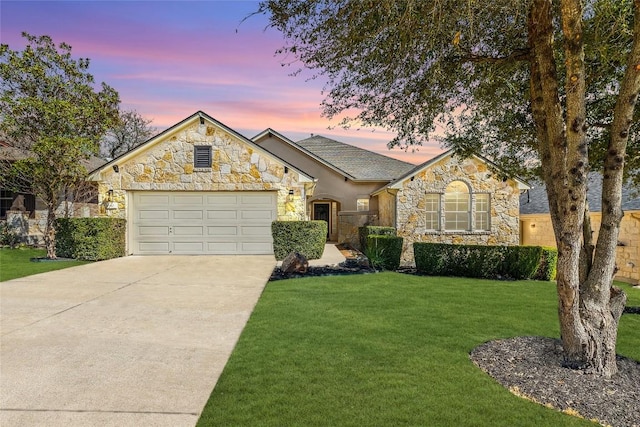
535 201
359 164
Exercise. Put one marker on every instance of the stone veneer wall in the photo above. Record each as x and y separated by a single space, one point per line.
168 166
537 230
410 205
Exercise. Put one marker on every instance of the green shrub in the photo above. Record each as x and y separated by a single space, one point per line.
431 258
522 262
516 262
373 230
91 239
548 263
384 251
306 237
8 237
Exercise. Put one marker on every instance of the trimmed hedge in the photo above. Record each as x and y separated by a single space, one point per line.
522 262
516 262
91 239
373 230
306 237
548 264
384 251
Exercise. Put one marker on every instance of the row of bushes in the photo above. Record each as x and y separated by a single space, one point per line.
516 262
384 249
91 239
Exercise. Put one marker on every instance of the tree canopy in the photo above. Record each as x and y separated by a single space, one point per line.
536 85
52 110
452 72
131 130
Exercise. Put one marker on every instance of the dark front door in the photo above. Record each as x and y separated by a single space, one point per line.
321 211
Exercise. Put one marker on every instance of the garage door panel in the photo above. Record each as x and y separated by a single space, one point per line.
153 247
256 214
188 247
151 231
202 222
153 199
222 231
256 231
182 230
222 199
187 214
222 214
188 199
222 247
159 214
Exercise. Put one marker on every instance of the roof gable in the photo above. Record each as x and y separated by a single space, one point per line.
397 184
203 118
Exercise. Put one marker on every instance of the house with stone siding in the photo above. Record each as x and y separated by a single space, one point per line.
536 228
449 199
200 187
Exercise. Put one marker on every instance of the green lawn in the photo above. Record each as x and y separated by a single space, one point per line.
16 263
386 350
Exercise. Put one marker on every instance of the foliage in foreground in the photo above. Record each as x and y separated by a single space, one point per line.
387 349
15 263
54 115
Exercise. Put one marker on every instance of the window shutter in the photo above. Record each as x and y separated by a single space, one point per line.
202 156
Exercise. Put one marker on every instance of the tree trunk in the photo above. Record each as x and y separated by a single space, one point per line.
589 308
602 304
50 232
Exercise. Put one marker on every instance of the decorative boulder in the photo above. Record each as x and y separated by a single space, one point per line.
295 262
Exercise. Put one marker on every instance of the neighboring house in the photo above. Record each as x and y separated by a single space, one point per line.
452 200
199 187
346 175
536 227
26 215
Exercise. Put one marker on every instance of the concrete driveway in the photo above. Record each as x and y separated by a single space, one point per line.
126 342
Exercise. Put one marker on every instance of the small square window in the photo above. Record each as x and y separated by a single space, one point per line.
202 156
362 204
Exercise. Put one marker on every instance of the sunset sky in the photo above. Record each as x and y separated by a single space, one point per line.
169 59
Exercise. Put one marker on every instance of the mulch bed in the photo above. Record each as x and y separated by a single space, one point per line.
531 367
330 270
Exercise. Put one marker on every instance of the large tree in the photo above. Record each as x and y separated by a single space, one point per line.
52 110
547 85
131 130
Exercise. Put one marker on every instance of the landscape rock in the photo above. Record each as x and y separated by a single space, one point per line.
295 262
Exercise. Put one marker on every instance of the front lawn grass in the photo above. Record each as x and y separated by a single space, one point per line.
387 349
16 263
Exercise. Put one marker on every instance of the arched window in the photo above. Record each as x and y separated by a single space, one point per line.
457 207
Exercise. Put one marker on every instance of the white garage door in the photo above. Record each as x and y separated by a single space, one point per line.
202 222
